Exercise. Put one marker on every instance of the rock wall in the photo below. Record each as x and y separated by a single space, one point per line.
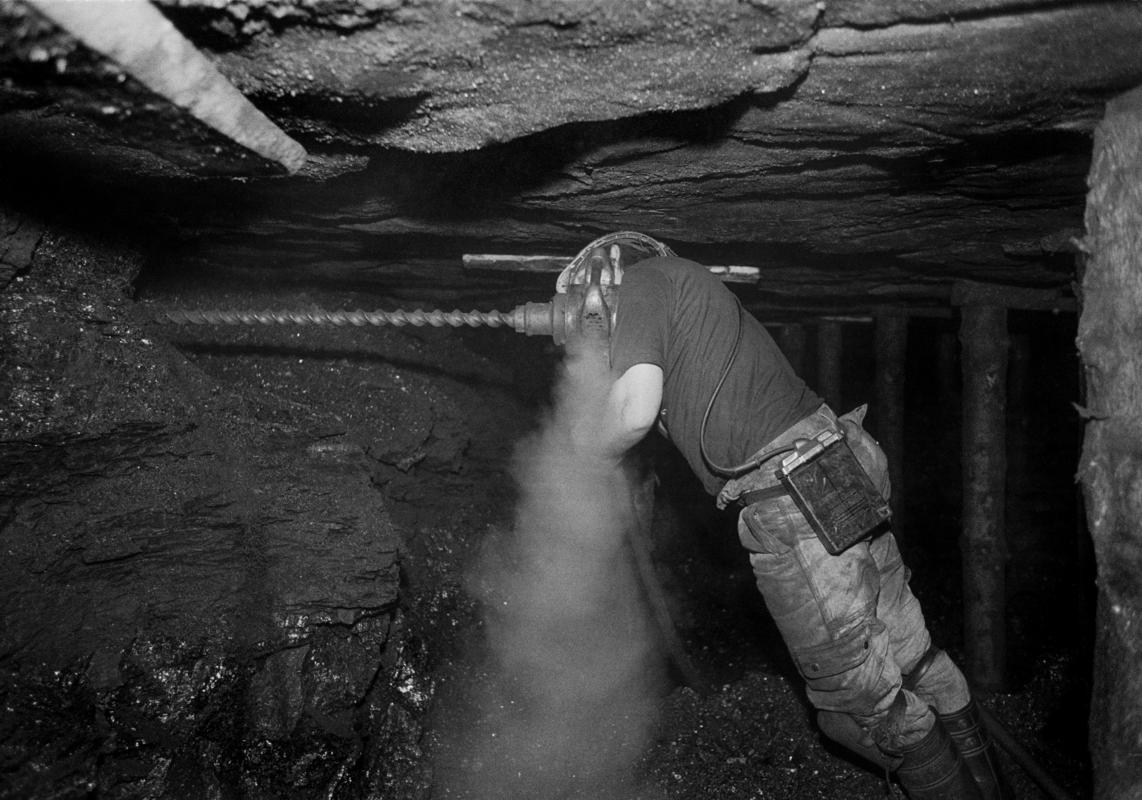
200 590
1111 467
843 146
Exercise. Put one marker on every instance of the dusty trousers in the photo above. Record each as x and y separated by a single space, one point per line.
850 620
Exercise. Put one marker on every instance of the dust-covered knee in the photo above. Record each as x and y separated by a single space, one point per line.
846 731
848 673
937 680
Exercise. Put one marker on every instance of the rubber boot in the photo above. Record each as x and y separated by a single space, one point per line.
933 769
972 740
843 730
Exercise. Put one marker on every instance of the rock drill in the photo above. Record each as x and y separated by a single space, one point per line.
584 304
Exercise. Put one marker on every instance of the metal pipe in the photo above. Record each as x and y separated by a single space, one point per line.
1022 756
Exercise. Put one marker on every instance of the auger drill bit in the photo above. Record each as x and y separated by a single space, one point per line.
532 319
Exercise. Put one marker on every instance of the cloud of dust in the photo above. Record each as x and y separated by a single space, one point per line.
568 703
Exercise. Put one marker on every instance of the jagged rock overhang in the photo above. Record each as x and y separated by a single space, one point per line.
842 148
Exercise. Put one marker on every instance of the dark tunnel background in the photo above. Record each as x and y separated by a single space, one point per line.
719 614
238 561
1050 571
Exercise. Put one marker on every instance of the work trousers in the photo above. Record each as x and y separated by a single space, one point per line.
850 620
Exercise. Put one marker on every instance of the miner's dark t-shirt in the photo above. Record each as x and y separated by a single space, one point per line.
676 315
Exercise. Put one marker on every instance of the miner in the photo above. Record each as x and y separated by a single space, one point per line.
688 359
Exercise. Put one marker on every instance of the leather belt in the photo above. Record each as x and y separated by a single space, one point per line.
760 495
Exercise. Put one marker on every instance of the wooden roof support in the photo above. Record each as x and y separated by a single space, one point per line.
812 303
971 293
510 263
792 339
830 357
984 340
777 314
890 341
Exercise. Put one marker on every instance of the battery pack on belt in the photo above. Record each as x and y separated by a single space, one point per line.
833 491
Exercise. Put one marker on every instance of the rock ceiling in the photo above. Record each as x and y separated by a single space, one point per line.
842 147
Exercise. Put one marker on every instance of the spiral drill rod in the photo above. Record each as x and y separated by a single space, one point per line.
398 319
533 319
